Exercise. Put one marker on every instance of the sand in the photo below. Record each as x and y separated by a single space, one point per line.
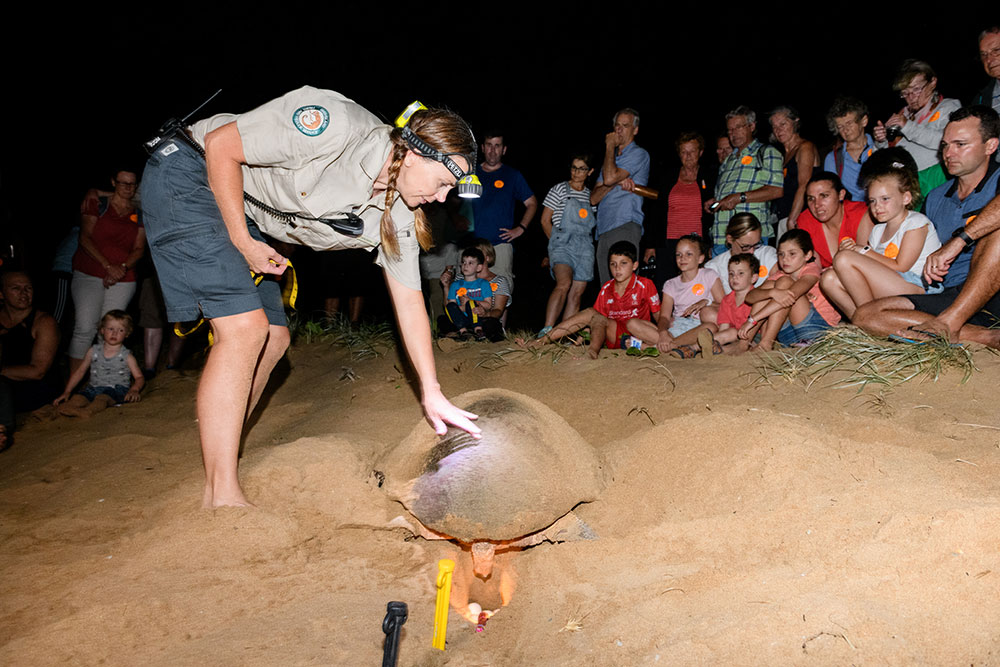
739 525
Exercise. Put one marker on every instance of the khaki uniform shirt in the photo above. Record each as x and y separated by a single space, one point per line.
317 153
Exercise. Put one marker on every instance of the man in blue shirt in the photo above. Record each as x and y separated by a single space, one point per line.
619 208
848 119
966 212
493 213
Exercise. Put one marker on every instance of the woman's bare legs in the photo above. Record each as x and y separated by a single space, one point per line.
231 384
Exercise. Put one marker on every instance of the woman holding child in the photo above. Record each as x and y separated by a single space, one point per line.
314 153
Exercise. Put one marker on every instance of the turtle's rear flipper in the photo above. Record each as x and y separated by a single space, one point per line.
569 528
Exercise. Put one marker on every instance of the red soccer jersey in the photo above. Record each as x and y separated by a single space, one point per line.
639 300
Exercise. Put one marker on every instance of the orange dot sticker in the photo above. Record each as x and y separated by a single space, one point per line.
763 271
937 114
462 291
494 286
584 213
891 251
498 184
845 238
970 219
697 289
134 218
746 159
869 152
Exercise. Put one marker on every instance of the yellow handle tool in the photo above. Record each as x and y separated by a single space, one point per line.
445 569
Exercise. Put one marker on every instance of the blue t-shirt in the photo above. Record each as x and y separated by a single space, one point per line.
475 290
618 206
495 209
949 213
852 168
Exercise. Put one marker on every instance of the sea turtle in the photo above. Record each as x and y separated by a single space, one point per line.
514 487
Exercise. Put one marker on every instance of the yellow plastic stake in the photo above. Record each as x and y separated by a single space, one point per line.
445 568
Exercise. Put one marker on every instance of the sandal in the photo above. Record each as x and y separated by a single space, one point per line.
684 352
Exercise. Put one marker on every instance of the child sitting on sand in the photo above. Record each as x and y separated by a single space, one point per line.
468 291
685 295
892 261
789 307
732 312
622 309
112 370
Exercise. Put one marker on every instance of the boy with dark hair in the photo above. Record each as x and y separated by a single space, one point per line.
468 291
622 309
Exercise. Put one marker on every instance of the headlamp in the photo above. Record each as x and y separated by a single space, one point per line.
469 186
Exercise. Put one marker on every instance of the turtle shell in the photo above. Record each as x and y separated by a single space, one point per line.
529 469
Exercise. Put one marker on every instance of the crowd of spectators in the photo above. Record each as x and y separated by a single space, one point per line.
893 229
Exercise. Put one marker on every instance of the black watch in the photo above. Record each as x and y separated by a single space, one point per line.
743 198
960 234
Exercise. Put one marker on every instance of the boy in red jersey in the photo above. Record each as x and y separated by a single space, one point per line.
623 308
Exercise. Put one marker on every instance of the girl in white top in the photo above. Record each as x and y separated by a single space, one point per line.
893 259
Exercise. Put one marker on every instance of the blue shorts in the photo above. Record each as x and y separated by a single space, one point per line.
574 250
806 331
915 278
201 272
683 324
117 393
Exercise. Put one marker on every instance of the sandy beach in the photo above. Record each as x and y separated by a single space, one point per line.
740 524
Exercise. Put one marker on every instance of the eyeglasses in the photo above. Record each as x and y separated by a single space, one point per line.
126 184
583 168
748 247
913 91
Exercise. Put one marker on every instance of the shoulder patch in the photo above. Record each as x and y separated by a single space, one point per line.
311 120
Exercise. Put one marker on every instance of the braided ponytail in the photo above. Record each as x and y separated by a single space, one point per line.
445 131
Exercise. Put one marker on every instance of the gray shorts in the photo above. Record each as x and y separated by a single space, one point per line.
201 272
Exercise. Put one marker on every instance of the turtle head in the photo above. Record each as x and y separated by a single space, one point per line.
482 559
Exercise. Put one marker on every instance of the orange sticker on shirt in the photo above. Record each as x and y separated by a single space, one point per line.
746 159
134 218
498 184
970 219
584 213
763 271
891 251
697 289
937 114
494 286
845 238
462 291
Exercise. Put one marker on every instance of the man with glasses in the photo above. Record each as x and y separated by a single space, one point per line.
829 216
848 118
750 177
989 54
619 208
918 126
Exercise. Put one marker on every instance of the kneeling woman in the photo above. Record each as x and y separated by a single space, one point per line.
892 261
309 160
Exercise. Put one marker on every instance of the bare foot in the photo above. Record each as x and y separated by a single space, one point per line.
67 410
592 353
212 500
45 413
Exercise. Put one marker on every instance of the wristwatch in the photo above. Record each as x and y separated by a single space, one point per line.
960 234
743 198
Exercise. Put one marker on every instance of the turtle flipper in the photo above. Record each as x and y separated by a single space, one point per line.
569 528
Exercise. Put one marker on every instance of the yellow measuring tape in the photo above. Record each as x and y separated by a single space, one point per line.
289 295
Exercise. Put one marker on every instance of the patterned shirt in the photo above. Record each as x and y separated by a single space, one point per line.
749 169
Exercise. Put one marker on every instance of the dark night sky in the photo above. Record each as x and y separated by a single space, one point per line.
551 77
